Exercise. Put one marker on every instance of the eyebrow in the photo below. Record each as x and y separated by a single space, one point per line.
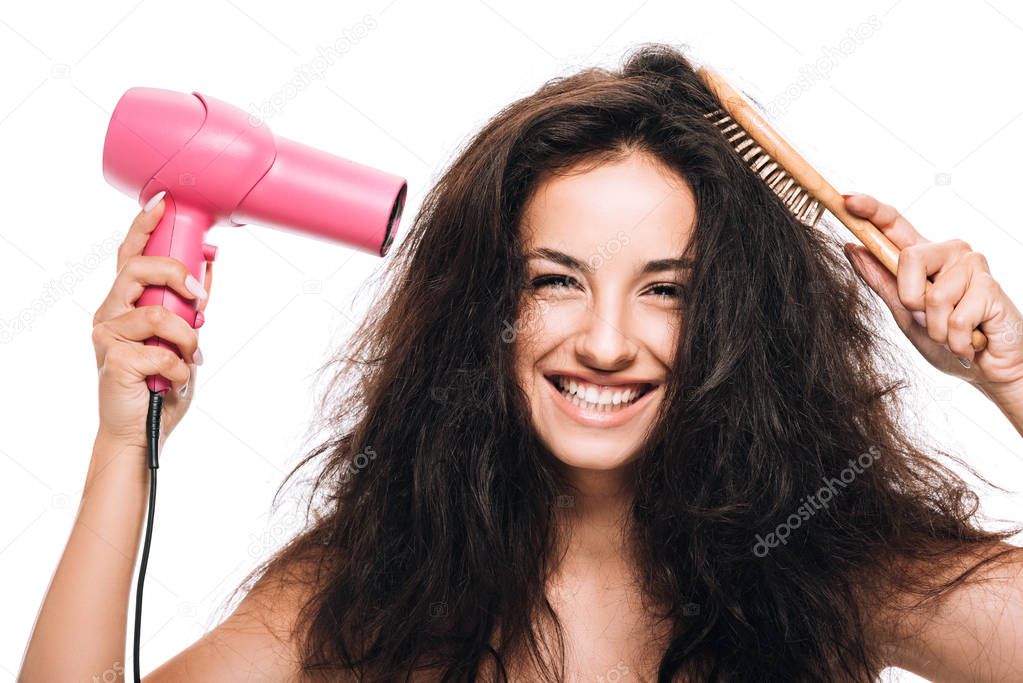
660 265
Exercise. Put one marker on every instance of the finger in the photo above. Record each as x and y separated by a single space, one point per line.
942 297
185 392
139 232
156 360
143 361
139 324
918 262
878 278
885 218
969 313
136 274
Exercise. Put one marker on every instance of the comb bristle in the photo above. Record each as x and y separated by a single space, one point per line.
800 203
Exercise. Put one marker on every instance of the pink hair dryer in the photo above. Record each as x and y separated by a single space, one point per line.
216 165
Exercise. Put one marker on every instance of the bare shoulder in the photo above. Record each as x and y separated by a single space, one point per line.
259 641
973 632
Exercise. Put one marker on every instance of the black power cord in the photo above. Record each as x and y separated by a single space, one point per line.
153 440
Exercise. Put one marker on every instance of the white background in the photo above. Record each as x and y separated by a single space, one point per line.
924 113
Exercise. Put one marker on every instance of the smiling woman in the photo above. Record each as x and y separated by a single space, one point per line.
609 362
596 245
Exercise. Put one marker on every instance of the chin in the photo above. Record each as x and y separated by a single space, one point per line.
581 442
591 454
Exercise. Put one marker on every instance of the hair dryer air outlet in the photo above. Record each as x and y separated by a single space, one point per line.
218 165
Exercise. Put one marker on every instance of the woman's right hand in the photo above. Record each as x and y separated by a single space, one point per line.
120 330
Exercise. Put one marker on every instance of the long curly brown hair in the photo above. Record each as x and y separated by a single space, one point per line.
432 521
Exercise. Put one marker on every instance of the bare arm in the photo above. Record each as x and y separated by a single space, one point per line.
974 634
80 630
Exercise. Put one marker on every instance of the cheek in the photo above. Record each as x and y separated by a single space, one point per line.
549 321
660 329
538 331
525 333
667 338
535 327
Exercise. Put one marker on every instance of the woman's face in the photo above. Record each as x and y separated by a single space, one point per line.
596 336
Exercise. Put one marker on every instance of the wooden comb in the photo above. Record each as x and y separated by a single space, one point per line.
804 191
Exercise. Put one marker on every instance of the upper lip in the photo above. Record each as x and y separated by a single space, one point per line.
603 381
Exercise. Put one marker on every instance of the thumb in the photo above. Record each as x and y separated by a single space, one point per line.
872 272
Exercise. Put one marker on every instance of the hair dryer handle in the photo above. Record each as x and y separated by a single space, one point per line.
179 235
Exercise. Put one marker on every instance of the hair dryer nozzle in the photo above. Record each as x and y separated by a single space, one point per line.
311 191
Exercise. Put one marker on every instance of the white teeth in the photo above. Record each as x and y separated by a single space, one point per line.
589 397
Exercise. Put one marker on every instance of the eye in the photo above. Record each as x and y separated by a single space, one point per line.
553 281
671 290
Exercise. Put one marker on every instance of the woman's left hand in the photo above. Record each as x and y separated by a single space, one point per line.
963 296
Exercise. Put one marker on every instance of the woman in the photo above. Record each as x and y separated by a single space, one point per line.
742 505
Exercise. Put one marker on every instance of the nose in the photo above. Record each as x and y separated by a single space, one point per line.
603 343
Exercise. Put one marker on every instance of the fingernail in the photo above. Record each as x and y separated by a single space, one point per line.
154 200
197 356
194 287
186 389
920 317
965 363
848 195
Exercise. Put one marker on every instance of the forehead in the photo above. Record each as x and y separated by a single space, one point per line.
637 201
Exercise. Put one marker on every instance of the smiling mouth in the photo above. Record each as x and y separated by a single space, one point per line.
608 399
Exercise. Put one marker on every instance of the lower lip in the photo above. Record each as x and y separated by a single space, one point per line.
592 418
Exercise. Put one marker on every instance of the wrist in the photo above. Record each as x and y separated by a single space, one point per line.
116 458
1005 394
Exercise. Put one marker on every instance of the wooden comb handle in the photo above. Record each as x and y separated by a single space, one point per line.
743 113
